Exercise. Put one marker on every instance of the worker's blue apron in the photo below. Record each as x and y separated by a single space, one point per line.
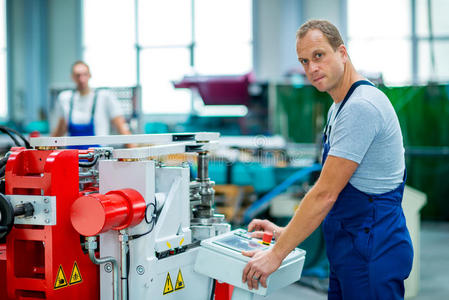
368 245
82 129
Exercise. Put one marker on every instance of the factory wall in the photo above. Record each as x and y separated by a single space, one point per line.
44 38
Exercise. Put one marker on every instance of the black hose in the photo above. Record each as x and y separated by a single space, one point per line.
8 131
16 142
2 170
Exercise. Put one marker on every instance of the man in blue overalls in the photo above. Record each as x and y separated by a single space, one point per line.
87 112
360 188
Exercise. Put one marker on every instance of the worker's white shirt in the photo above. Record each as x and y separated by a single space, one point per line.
106 109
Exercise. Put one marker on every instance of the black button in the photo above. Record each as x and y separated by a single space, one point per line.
366 230
370 199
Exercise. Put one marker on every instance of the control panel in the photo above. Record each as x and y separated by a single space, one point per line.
220 257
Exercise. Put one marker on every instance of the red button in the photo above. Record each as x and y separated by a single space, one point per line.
267 237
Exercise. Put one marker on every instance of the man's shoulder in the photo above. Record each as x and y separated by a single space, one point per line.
66 94
105 94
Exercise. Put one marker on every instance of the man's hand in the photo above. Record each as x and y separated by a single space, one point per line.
262 264
261 226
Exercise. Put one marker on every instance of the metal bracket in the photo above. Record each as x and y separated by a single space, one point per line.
44 209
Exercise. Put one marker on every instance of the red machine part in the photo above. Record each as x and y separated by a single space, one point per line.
47 262
223 291
96 213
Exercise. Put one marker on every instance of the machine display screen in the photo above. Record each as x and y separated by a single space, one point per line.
239 244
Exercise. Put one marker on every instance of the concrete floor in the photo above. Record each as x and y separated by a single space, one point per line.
434 277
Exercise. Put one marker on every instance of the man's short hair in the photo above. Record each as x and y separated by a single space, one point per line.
327 28
80 62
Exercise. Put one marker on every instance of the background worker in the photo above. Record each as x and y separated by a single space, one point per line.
360 188
85 111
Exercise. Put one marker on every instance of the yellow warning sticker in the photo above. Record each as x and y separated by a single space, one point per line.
179 281
60 281
168 288
75 277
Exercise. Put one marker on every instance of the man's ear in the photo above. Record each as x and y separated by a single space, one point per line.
343 53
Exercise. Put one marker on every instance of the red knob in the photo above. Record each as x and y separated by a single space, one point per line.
97 213
267 237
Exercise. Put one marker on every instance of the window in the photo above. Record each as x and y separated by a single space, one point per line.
379 34
435 46
381 39
109 42
3 83
156 42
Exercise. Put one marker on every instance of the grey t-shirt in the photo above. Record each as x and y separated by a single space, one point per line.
367 132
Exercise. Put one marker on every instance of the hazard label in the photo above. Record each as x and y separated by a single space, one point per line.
179 281
168 288
60 281
75 277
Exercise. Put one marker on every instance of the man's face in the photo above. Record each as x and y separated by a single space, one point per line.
324 67
81 76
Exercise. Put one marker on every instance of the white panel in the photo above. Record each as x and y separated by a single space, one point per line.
119 139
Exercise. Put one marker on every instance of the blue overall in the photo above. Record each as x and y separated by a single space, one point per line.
368 245
82 129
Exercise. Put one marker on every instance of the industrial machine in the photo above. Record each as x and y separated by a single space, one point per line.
109 223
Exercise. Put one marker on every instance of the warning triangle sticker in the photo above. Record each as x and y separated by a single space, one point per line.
75 277
179 281
60 281
168 288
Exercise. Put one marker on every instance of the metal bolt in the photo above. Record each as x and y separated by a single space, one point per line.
47 221
108 268
46 200
140 270
46 210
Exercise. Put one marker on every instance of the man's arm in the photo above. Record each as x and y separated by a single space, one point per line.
316 204
120 125
311 212
61 128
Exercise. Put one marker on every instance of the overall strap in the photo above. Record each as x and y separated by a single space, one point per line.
348 94
351 90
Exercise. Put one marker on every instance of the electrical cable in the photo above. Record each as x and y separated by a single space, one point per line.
152 221
212 293
25 141
16 142
3 162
